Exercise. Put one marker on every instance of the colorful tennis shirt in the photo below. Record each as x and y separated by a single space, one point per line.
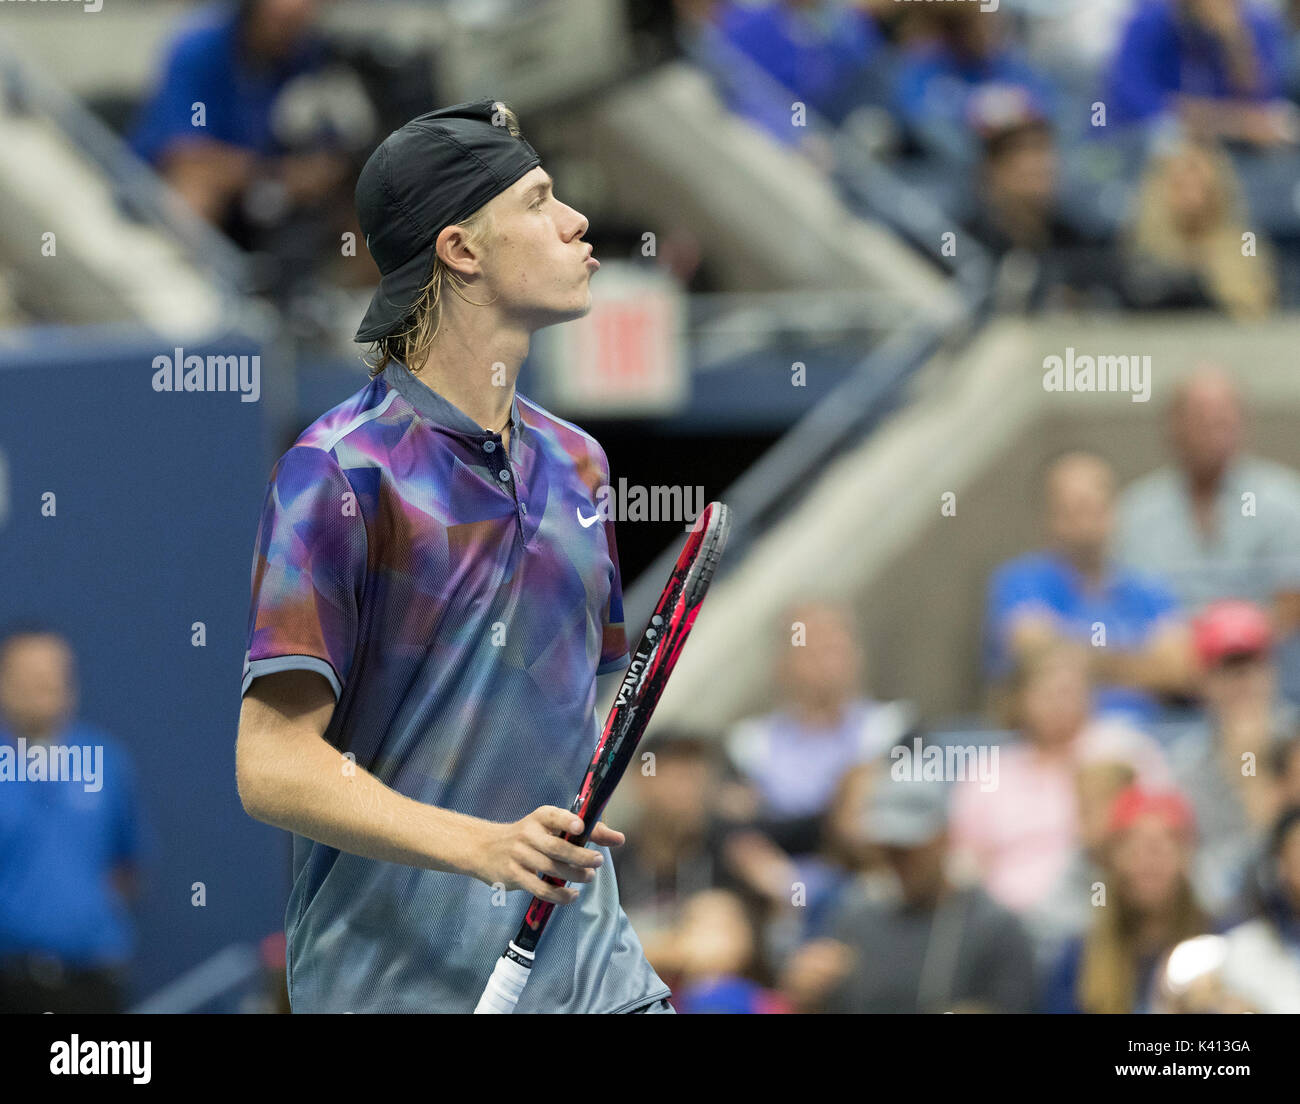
460 609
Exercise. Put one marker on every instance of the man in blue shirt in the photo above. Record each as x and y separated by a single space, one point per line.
1140 644
1219 64
946 80
771 56
69 839
209 127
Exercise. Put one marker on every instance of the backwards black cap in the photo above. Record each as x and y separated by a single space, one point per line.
435 171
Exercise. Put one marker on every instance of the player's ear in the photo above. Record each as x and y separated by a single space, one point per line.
459 252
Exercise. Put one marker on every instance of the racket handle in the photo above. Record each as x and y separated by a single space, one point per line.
506 983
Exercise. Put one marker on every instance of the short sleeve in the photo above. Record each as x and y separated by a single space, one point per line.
308 572
168 114
613 632
1012 588
1158 603
1271 38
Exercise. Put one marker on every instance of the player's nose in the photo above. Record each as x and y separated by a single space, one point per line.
574 224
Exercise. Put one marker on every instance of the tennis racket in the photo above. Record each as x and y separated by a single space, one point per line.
639 693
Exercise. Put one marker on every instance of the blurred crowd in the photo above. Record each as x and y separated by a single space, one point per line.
1120 834
1104 155
1131 154
1130 840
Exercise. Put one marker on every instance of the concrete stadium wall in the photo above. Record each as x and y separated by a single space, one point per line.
872 534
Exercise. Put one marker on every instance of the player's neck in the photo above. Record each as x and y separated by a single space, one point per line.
475 369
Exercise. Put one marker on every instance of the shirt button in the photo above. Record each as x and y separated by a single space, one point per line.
523 509
504 475
489 446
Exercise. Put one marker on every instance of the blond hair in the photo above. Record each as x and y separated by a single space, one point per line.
1243 286
411 341
1109 967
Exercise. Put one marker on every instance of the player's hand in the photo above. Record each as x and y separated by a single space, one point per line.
516 855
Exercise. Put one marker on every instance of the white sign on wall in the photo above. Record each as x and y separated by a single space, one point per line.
626 356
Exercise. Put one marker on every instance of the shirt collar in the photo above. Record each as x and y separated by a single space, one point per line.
432 406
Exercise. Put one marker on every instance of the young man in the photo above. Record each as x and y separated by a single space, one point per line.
429 614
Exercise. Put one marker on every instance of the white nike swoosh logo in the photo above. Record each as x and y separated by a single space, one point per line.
587 523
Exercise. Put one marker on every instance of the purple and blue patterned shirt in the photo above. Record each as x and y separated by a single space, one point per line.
447 589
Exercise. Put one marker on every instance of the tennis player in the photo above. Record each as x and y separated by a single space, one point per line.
431 607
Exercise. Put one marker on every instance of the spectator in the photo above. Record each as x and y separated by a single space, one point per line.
1218 523
1020 837
1262 965
966 54
1149 907
1186 248
69 839
1223 760
1218 65
775 55
846 853
715 959
931 946
271 149
1074 590
1063 913
796 896
676 850
794 757
1044 260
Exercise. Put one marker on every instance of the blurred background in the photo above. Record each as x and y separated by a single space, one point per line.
981 316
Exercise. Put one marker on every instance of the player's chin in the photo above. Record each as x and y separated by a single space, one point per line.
580 307
554 315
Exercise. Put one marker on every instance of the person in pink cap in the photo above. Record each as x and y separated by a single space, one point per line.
1149 906
1223 760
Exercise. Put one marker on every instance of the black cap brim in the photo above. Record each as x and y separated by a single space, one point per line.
396 296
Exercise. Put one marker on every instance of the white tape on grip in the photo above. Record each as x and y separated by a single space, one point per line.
505 985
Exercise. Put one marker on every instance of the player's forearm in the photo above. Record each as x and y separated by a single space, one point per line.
327 798
1160 670
289 776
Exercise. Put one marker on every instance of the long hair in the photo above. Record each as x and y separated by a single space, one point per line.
1108 971
1243 286
411 341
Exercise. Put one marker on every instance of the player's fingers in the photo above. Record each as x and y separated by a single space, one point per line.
557 821
566 872
570 853
605 836
534 856
557 895
559 867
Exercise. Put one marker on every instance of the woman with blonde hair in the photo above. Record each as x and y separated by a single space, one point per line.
1144 906
1186 244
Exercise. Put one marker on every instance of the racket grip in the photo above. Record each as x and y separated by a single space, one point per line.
506 983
